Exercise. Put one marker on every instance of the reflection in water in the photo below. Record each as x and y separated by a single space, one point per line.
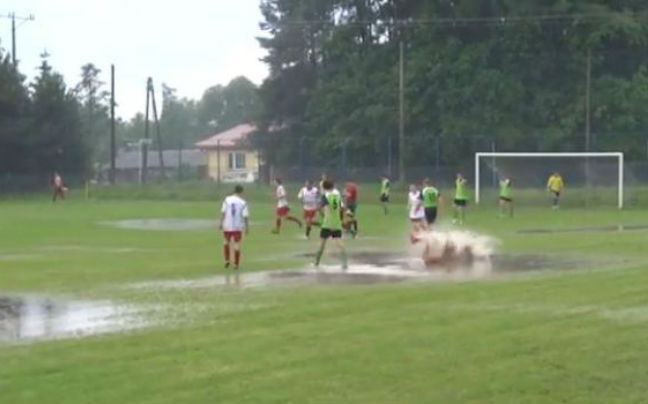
34 317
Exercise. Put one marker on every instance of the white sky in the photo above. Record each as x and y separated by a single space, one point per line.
190 45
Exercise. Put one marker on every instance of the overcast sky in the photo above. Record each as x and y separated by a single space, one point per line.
190 45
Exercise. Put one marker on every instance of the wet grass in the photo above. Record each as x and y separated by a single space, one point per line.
572 336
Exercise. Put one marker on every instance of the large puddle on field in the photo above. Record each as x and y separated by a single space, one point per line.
34 318
168 224
375 267
609 228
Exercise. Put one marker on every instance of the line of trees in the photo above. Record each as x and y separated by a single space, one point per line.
47 126
470 74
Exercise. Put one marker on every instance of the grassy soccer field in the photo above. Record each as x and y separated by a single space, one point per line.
572 335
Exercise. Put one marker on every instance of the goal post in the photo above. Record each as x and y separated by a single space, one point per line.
496 155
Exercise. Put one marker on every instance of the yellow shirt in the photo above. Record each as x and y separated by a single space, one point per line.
555 183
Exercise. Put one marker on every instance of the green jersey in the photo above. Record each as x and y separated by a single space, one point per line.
384 187
505 189
332 205
430 197
461 193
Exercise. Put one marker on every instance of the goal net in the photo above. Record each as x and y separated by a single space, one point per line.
591 179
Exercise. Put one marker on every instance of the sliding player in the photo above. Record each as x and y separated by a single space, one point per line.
332 207
460 200
309 197
233 221
283 209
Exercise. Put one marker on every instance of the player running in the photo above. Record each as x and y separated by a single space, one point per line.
351 201
555 185
416 212
233 221
309 197
332 206
506 197
460 200
384 192
283 209
57 185
431 198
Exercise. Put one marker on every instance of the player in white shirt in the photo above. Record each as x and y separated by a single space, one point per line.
416 211
310 199
283 209
234 220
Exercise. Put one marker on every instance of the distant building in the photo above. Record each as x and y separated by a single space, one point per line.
128 163
231 156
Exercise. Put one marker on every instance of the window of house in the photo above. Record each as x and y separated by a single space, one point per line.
236 160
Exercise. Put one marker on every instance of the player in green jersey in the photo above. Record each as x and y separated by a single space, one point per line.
506 197
431 198
332 207
384 192
460 199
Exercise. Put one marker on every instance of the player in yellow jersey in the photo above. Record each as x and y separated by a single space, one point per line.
555 186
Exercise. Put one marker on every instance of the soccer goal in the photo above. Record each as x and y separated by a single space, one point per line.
590 178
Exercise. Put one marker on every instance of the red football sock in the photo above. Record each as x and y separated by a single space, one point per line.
226 250
237 257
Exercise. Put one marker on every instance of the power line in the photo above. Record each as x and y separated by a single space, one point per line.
13 18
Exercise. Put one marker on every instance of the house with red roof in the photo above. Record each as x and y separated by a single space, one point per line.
231 157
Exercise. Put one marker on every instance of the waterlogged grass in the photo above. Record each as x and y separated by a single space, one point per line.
573 336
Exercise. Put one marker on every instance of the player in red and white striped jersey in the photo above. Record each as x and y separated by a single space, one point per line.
234 220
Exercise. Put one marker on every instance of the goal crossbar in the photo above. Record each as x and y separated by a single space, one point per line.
617 155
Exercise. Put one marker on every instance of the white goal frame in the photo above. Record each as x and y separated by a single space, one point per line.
617 155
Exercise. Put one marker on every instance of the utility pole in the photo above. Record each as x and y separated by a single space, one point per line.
401 116
113 153
157 125
15 17
144 148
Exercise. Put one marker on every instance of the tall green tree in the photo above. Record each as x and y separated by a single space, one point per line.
55 140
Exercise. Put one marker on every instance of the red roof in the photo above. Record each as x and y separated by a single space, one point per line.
230 138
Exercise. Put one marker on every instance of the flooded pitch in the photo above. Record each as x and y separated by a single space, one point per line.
376 267
34 318
162 224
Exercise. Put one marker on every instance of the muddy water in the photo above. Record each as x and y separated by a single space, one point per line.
372 267
31 318
162 224
611 228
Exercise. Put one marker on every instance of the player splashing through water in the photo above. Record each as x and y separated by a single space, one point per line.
416 212
331 206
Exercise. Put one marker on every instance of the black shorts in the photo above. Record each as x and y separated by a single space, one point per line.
328 233
352 207
430 215
384 198
460 202
505 199
556 193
